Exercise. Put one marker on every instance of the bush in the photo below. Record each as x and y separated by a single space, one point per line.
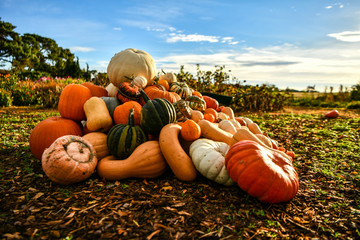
353 105
5 98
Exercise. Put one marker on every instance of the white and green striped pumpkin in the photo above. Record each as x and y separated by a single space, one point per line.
181 88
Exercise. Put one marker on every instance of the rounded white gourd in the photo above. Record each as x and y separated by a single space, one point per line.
208 157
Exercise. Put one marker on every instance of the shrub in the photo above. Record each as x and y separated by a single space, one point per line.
353 105
5 98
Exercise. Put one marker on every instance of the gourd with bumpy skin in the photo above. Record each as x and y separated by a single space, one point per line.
130 63
146 161
266 174
155 114
209 159
122 139
182 109
69 159
128 92
196 103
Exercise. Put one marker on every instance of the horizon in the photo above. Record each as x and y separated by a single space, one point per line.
286 44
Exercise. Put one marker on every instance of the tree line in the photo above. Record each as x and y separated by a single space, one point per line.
33 56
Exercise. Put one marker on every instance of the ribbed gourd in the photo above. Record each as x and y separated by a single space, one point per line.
196 103
122 139
181 88
155 114
182 109
128 92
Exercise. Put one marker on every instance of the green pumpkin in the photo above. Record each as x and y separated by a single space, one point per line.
111 104
122 139
180 88
196 103
155 114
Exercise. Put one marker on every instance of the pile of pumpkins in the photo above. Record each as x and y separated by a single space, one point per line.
142 125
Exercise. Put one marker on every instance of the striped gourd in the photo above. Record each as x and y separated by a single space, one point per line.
181 88
155 114
196 103
122 139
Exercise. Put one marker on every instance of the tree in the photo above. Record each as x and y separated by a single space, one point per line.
34 56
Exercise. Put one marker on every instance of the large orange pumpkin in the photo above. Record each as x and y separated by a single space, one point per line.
48 130
96 91
69 159
266 174
158 91
72 100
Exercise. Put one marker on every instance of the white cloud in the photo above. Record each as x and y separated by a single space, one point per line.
173 37
346 36
229 40
284 65
81 49
117 28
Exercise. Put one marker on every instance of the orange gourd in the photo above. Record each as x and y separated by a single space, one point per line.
72 100
164 83
155 91
190 130
48 130
121 113
146 161
210 117
98 141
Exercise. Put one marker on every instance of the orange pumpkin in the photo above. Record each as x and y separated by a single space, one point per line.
164 83
48 130
69 159
96 91
121 113
190 130
72 100
155 91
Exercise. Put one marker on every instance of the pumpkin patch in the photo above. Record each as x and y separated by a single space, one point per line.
141 126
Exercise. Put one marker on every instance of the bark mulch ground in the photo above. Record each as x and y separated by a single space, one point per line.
33 207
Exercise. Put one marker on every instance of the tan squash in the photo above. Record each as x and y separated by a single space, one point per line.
98 141
254 128
179 162
222 116
146 161
98 118
227 126
196 115
213 132
169 77
228 111
264 139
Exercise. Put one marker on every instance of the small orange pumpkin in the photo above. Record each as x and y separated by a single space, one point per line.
156 91
121 113
190 130
96 91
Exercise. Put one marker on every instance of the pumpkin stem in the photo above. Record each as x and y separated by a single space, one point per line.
162 70
144 95
131 117
129 78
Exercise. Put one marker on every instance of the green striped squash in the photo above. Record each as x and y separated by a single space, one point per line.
196 103
122 139
155 114
181 88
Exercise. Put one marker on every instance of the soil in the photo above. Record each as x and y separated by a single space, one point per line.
33 207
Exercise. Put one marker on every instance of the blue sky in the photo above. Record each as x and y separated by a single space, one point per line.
289 43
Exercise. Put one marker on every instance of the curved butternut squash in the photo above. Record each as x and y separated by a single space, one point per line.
98 118
213 132
179 162
196 115
227 126
146 161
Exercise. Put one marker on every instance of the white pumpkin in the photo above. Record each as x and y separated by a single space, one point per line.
169 77
208 157
140 82
112 90
130 63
